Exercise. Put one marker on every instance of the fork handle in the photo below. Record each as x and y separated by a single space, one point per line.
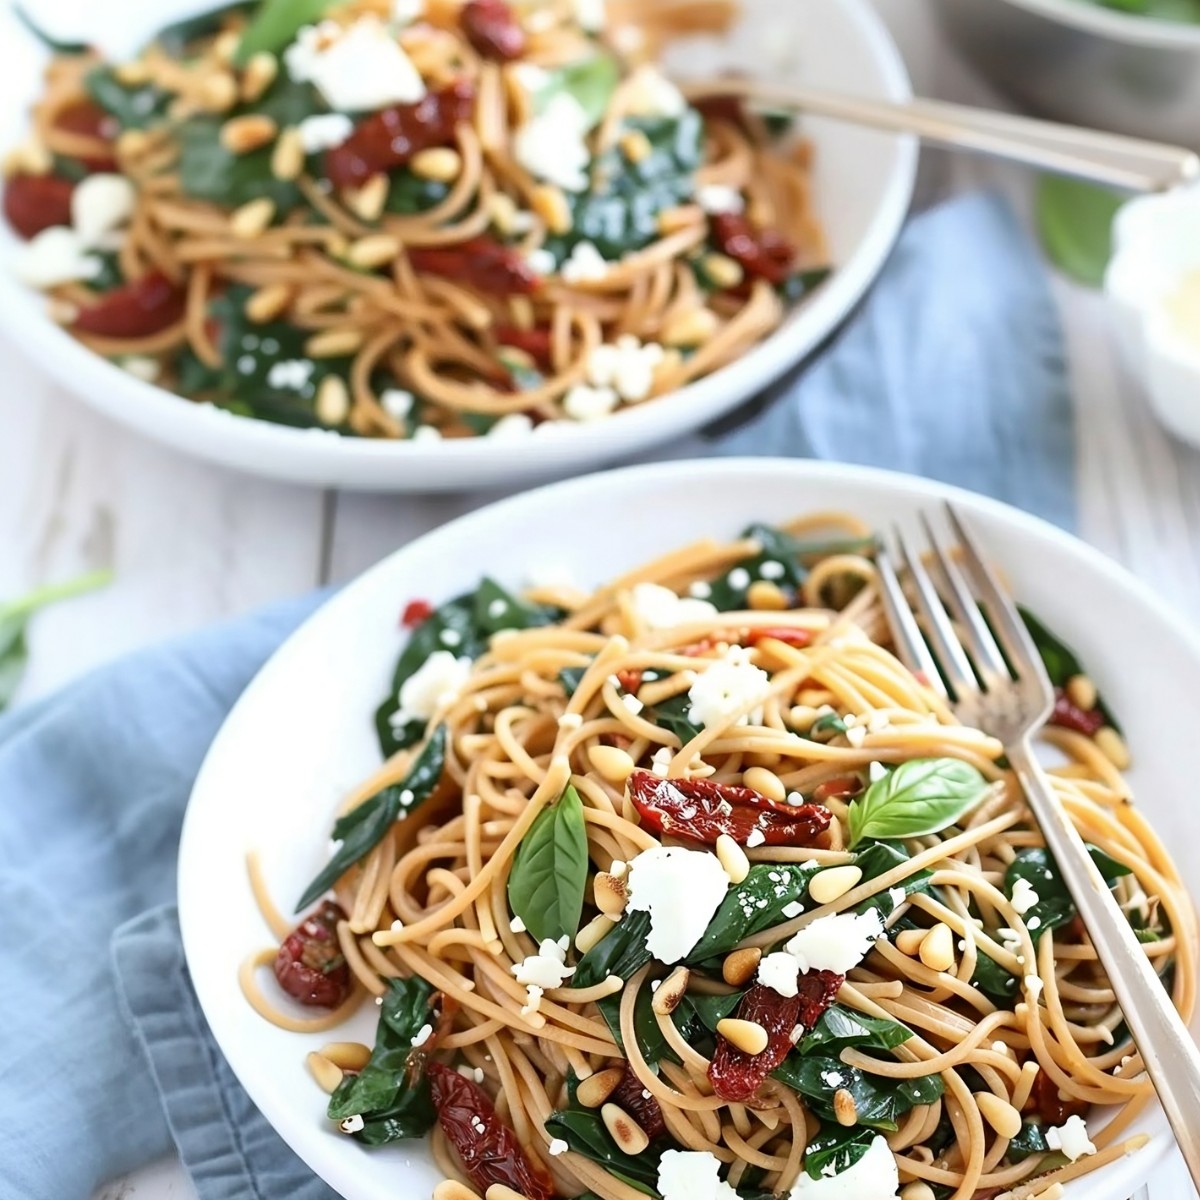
1168 1051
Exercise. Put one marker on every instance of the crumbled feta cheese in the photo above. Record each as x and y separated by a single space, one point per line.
692 1175
1033 923
570 720
423 1035
426 433
649 93
1070 1139
661 762
291 374
876 771
352 1124
512 425
633 704
533 1000
792 909
450 637
56 255
781 972
739 578
897 896
552 145
700 590
545 969
681 890
795 799
405 12
557 1146
99 204
721 198
1023 896
541 262
772 569
875 1176
359 69
1033 985
591 15
396 402
324 131
517 925
627 366
586 264
755 837
836 943
855 735
727 687
140 367
435 684
660 608
584 403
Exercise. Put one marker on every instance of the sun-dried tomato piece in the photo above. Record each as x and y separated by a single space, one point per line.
700 810
764 254
727 108
735 1075
36 202
840 788
492 28
310 965
537 343
487 1148
629 679
87 118
782 633
388 139
138 309
1068 715
639 1104
481 262
1053 1109
415 612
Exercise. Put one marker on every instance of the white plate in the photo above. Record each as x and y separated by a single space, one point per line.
863 186
302 734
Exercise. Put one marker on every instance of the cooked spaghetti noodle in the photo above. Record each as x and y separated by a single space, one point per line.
519 221
972 1029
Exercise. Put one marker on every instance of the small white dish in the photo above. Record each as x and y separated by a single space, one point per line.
863 184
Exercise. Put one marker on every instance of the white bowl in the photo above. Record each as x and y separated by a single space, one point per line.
863 187
302 735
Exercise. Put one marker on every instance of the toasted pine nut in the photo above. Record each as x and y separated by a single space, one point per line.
268 303
369 201
761 213
225 48
1081 692
611 894
833 883
733 858
759 779
691 328
908 941
287 159
243 134
672 220
739 965
748 1036
594 932
999 1114
333 400
375 251
763 595
334 343
1112 745
502 209
724 271
612 763
440 163
917 1190
253 218
626 1132
132 74
937 948
350 1056
218 93
595 1089
328 1075
550 203
844 1108
261 71
451 1189
132 143
636 147
670 992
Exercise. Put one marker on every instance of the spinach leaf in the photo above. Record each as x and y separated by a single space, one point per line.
994 981
828 723
14 625
672 714
878 858
841 1028
133 107
393 1106
276 24
585 1132
1075 221
497 609
795 287
210 171
919 797
178 36
1060 660
362 829
549 872
837 1147
54 45
730 590
697 1014
409 194
1031 1140
591 82
571 678
1055 907
878 1099
623 953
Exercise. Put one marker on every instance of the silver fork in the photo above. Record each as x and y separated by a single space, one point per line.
1012 704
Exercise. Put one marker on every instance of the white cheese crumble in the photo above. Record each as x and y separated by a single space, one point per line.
792 909
426 433
755 837
396 402
692 1175
324 131
681 890
1023 896
1071 1139
140 367
359 69
627 366
660 608
547 968
292 374
874 1177
633 704
720 198
591 15
1033 985
512 425
836 943
661 762
352 1124
727 687
897 896
517 925
739 578
100 204
533 999
649 93
586 264
56 255
584 403
405 12
700 590
876 771
557 1146
570 720
781 972
772 569
435 684
423 1035
541 262
553 145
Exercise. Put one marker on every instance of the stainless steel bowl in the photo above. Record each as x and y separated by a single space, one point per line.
1080 62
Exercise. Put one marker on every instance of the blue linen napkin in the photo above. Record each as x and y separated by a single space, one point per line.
953 368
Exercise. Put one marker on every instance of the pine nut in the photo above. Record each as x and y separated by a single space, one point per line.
132 74
243 134
937 948
287 159
375 251
62 312
218 92
761 213
999 1114
594 932
830 885
350 1056
759 779
765 596
132 143
724 271
268 303
672 220
334 343
691 329
733 858
502 211
501 1191
225 48
327 1074
261 71
844 1108
612 763
611 894
670 992
908 941
626 1132
1081 692
369 201
30 158
595 1089
1112 745
739 965
550 203
917 1190
441 164
636 147
333 400
748 1036
253 218
451 1189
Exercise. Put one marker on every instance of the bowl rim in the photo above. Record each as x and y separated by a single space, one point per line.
1118 26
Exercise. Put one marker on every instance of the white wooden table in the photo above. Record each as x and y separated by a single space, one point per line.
191 544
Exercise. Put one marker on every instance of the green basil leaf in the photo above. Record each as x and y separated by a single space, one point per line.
362 829
54 45
841 1028
1075 221
549 873
919 797
178 36
276 25
1060 660
591 82
1054 907
133 107
880 1101
838 1147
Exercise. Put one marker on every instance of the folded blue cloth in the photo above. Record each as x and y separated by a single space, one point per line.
953 368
